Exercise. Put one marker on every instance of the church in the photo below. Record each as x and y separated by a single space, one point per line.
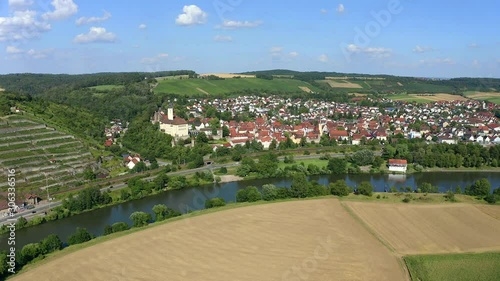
171 124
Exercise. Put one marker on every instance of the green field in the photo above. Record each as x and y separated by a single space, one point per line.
408 98
106 88
318 162
217 87
456 267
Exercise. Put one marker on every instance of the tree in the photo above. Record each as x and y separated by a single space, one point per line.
363 157
428 188
88 174
225 131
377 161
80 236
269 192
108 230
480 188
51 244
340 188
21 222
248 194
215 202
202 138
124 195
299 185
30 252
119 226
365 188
337 165
140 218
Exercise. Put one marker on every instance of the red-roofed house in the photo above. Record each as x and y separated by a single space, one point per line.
398 165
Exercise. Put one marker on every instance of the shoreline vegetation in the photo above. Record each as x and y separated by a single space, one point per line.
247 197
164 183
300 188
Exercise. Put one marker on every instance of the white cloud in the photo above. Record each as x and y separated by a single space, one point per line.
422 49
231 24
192 15
155 59
142 26
323 11
276 51
21 26
323 58
223 38
32 53
293 54
370 51
476 63
85 20
448 61
13 50
20 4
40 54
95 35
473 45
62 9
340 8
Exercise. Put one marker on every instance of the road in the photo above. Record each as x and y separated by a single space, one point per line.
41 208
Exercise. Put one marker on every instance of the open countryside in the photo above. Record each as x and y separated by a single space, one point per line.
217 87
264 242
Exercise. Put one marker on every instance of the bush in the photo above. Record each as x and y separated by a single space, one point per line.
492 198
215 202
428 188
480 188
249 194
365 188
307 152
340 188
450 196
406 200
269 192
80 236
223 170
140 218
51 244
30 252
283 193
119 226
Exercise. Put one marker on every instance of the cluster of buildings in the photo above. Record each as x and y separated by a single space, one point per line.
275 118
111 132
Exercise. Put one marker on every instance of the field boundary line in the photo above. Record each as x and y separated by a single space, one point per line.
399 257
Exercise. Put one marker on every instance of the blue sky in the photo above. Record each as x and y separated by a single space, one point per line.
401 37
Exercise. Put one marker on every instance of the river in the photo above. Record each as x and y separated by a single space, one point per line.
194 199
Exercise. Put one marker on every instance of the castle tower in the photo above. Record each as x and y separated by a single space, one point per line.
170 112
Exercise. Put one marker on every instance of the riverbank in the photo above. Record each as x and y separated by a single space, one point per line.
297 210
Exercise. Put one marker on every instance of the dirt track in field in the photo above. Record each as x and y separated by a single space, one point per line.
264 242
427 229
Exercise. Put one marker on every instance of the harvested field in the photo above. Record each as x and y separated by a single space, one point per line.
426 97
262 242
426 229
443 97
305 89
228 75
483 95
342 84
493 211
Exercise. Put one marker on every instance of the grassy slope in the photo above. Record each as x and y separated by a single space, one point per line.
104 88
189 86
456 267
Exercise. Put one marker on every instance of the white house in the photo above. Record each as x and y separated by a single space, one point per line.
398 165
170 124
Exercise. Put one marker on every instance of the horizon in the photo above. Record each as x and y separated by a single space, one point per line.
383 37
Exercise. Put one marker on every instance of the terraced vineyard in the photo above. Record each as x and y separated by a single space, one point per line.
41 155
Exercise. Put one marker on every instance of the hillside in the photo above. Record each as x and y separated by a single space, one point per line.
35 150
204 87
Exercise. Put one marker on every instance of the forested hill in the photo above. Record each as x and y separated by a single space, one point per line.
34 84
458 84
